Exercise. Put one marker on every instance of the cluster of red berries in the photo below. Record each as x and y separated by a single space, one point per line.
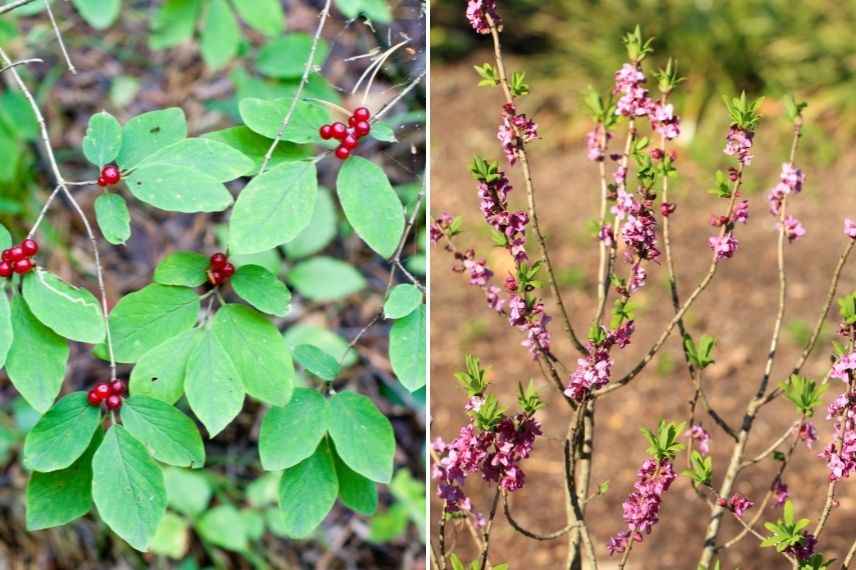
108 393
16 259
109 176
220 269
348 137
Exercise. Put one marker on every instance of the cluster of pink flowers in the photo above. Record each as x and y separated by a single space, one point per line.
493 201
642 507
723 246
780 492
805 548
738 143
593 371
634 101
664 121
790 182
840 454
701 437
639 228
439 227
808 434
529 317
494 453
844 368
477 13
514 130
850 228
739 504
596 141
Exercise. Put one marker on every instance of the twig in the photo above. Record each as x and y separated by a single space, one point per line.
851 554
487 530
59 39
769 451
531 534
307 68
12 5
410 87
827 509
21 62
44 211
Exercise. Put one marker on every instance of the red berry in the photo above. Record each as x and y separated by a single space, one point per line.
352 120
362 114
114 402
93 398
7 255
30 247
215 276
5 269
227 271
117 387
102 389
342 153
362 128
23 266
14 253
340 131
111 175
350 142
218 260
101 181
326 132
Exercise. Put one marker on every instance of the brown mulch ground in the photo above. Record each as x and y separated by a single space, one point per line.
738 309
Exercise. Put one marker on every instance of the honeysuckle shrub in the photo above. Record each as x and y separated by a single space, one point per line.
631 145
181 356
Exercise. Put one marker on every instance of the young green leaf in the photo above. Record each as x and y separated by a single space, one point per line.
407 349
165 186
307 492
128 488
316 361
5 238
290 434
376 10
170 436
6 334
264 16
103 139
325 279
320 231
70 312
174 23
171 538
371 205
266 118
403 300
114 220
274 207
363 436
146 318
221 35
382 131
211 157
188 492
185 268
254 146
146 134
256 349
37 358
99 14
62 434
356 492
223 526
328 341
213 385
59 497
261 289
286 56
159 373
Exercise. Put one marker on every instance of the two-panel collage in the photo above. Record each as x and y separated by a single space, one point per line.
427 285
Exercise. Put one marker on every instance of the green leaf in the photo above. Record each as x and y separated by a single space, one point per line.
262 491
290 434
177 188
170 436
210 157
187 492
320 231
6 334
266 118
174 23
59 497
253 523
407 349
409 491
171 538
103 139
286 57
371 205
254 146
146 134
317 362
329 342
307 492
114 220
325 279
159 373
357 493
261 289
213 384
148 317
69 311
185 268
99 14
403 300
363 436
223 526
62 434
264 16
274 207
377 10
128 488
221 35
5 238
381 131
259 356
37 359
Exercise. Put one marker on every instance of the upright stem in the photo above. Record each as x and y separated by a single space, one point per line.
487 530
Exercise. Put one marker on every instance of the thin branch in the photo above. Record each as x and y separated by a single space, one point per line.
410 87
532 534
59 39
487 530
851 554
770 450
21 62
827 509
44 211
12 5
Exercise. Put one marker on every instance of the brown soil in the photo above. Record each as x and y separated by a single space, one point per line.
738 309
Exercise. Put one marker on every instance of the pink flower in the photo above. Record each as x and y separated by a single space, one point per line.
701 438
792 177
780 491
664 121
642 506
804 549
479 272
724 247
594 143
477 12
844 367
592 373
793 229
850 228
515 130
808 434
739 504
840 454
738 143
741 212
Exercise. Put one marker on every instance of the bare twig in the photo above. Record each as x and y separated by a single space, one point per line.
21 62
59 39
410 87
12 5
532 534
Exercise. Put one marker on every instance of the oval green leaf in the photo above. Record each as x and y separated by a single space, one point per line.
187 492
325 279
221 35
160 372
290 434
328 341
213 384
266 117
264 16
113 217
286 57
170 436
146 134
224 527
407 349
184 268
307 492
320 231
103 139
363 436
6 333
261 289
69 311
208 156
178 188
356 492
402 300
317 362
62 434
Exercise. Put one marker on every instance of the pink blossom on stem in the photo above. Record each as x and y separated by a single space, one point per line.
850 228
780 492
515 130
595 143
664 121
739 504
741 212
724 247
840 454
804 549
844 367
642 507
701 437
738 143
793 229
477 12
478 272
808 434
